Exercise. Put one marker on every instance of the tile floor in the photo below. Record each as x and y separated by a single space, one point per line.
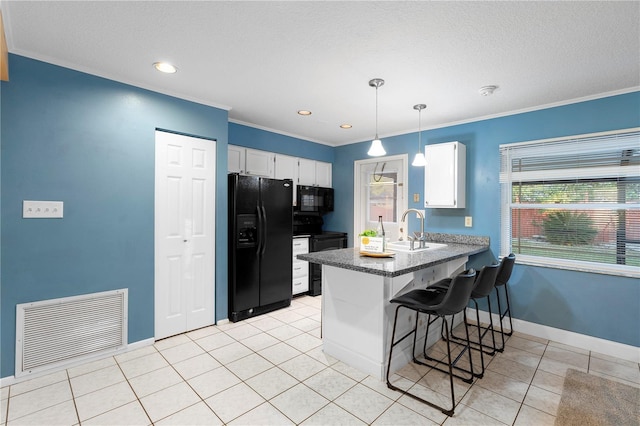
270 370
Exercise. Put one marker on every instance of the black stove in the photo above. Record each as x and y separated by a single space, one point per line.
311 225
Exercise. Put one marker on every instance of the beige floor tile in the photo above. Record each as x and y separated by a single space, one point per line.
530 337
349 371
103 400
578 360
181 352
398 414
614 359
137 353
504 385
558 368
143 364
213 382
59 414
548 381
286 316
38 399
331 414
129 414
271 382
381 387
305 324
467 416
529 416
92 366
249 366
259 341
304 342
299 402
492 404
512 369
95 380
4 406
171 342
243 331
234 402
214 341
329 383
230 353
441 383
284 332
530 346
570 348
38 382
169 401
266 323
302 367
629 373
363 402
195 366
198 414
425 410
263 415
521 356
203 332
154 381
542 400
279 353
319 355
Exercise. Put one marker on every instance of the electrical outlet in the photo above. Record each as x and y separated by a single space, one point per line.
416 198
42 209
468 221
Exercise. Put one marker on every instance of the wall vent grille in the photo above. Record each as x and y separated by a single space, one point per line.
56 332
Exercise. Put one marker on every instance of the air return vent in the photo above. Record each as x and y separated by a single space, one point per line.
55 332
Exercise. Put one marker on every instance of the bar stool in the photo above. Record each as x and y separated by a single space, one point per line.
504 273
437 305
484 283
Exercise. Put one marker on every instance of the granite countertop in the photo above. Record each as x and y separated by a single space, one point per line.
402 263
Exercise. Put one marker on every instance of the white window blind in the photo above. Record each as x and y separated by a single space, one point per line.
573 202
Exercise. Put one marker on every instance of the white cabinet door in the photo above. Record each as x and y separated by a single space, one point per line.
444 175
286 167
259 163
184 287
306 172
235 159
323 174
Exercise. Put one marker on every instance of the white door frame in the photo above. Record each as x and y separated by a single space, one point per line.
357 185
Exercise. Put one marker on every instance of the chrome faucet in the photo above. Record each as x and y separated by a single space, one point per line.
420 237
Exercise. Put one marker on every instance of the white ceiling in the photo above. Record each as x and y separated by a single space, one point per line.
265 60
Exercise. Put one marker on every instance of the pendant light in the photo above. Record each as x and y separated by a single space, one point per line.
419 159
376 149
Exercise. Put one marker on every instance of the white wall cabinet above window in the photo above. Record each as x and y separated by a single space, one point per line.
445 175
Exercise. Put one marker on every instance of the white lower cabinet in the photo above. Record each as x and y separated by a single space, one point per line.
300 282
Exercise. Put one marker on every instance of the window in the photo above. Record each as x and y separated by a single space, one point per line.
383 193
573 203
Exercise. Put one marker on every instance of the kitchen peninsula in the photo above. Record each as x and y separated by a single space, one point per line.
357 317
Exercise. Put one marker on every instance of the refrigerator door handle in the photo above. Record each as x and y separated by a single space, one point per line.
264 229
259 233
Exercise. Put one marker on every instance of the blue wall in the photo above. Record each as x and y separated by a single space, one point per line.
597 305
89 142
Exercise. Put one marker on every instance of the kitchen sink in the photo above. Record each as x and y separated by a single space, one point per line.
405 246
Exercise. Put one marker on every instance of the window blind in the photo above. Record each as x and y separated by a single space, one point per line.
573 202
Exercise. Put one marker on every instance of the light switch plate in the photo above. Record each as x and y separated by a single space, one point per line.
42 209
468 221
416 198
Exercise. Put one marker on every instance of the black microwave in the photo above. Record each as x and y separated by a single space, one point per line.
314 199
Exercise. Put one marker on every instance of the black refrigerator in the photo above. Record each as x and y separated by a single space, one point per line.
260 245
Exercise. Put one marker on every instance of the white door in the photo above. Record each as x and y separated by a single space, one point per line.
184 233
380 190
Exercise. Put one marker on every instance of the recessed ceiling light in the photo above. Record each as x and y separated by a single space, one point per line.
487 90
345 126
304 112
165 67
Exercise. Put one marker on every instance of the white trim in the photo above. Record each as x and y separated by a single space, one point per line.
582 341
12 380
570 137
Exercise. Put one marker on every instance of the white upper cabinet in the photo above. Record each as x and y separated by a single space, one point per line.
445 175
235 159
259 163
323 174
286 167
301 171
306 172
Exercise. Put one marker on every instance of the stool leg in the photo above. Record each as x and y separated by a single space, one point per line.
500 315
506 292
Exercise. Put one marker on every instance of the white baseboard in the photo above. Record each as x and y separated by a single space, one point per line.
12 380
583 341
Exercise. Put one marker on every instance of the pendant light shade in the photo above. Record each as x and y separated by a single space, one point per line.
376 149
419 159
